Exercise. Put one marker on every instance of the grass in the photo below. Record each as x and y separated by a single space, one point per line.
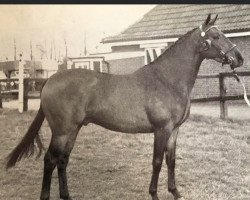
212 162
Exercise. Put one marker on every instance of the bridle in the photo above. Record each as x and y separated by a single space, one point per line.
208 44
225 58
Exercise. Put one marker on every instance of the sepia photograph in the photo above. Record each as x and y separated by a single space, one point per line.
125 101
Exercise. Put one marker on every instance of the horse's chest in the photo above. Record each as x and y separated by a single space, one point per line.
161 110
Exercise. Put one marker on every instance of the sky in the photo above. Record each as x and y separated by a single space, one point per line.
52 25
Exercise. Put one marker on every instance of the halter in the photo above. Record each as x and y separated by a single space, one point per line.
208 43
225 57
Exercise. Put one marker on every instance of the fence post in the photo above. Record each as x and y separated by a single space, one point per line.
20 86
223 103
1 99
25 96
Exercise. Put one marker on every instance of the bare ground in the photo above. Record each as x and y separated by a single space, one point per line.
212 162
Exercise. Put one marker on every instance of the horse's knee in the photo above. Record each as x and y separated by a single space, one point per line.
170 153
62 162
170 161
157 163
50 160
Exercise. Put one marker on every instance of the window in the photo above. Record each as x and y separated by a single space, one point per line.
97 66
85 66
152 53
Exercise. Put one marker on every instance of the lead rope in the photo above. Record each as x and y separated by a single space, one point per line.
244 88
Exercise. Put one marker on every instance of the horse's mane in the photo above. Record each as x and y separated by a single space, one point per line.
179 41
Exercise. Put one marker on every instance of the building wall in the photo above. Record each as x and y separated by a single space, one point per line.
126 65
126 48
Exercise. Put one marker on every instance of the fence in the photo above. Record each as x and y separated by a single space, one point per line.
35 84
223 96
32 88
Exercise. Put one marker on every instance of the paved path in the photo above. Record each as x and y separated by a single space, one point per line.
235 111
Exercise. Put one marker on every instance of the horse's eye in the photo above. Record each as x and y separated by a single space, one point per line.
216 37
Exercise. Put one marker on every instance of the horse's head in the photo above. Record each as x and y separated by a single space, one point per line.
215 45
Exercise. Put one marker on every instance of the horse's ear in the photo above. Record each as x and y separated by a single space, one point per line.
208 19
213 20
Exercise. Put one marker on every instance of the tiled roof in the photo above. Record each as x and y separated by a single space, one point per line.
165 21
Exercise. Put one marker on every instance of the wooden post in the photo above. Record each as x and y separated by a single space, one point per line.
91 67
1 99
223 103
20 87
25 96
101 66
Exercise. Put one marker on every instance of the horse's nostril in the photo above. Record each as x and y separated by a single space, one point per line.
240 58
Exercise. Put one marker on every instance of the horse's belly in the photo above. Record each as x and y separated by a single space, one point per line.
126 126
129 120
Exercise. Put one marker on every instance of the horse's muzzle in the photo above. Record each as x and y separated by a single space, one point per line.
239 58
233 62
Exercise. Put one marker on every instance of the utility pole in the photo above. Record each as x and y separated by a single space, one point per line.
31 50
59 54
66 48
46 52
51 50
54 49
85 45
14 48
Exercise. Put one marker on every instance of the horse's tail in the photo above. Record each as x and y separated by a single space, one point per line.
26 147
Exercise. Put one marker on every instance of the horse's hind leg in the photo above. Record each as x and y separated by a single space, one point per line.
170 160
58 155
62 165
50 161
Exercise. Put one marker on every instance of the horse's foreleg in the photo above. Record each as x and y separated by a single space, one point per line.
159 148
170 160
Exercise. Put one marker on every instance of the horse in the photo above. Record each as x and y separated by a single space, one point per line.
153 99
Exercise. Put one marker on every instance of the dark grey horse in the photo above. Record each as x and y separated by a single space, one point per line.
155 98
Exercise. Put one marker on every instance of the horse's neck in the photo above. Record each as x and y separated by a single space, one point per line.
180 65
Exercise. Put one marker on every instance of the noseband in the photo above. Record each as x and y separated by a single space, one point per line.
208 44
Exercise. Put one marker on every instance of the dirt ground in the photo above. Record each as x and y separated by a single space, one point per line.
212 162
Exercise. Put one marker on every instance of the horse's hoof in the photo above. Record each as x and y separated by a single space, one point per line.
43 198
176 194
179 198
155 198
66 198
